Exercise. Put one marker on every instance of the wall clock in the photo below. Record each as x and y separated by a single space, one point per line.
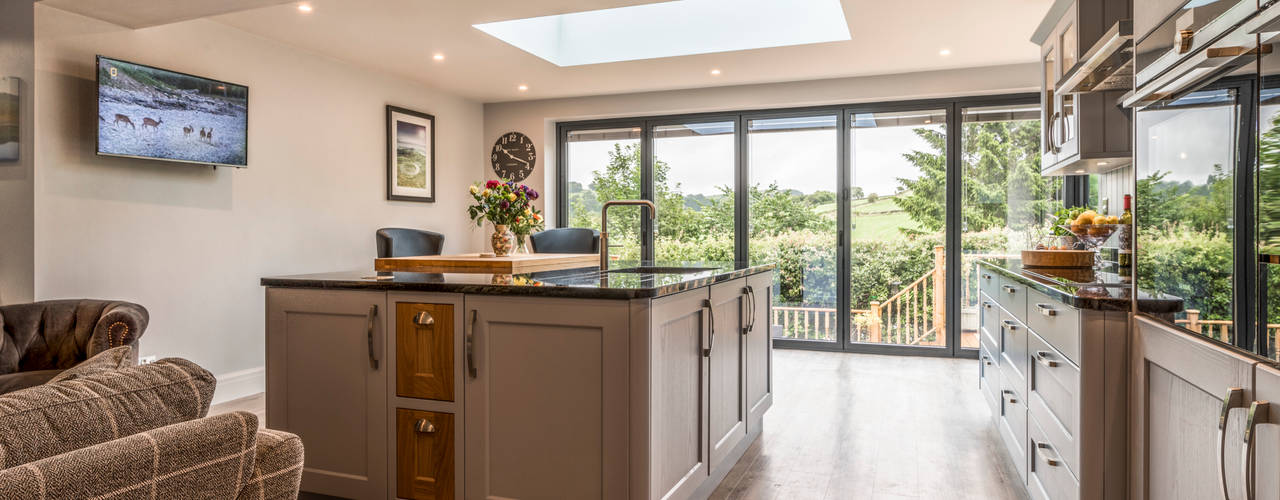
513 156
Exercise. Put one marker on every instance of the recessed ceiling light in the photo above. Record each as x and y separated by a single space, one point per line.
1182 156
304 7
1081 171
944 52
704 27
715 72
522 87
1103 164
438 57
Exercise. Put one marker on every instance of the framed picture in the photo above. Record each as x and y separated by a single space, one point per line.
411 155
8 119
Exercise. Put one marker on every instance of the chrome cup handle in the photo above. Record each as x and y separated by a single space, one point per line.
1233 399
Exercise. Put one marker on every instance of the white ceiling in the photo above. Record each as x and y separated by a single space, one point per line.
146 13
400 37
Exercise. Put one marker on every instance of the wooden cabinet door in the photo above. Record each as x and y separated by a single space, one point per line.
678 396
1182 388
759 347
424 351
1265 429
727 409
327 383
424 455
546 396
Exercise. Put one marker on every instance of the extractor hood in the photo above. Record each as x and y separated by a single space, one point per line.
1108 65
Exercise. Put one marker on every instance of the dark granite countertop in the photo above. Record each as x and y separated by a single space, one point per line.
1104 291
587 282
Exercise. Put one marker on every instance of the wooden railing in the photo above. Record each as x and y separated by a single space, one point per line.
1218 329
915 315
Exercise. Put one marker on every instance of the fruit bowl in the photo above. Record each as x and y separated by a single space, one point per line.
1093 234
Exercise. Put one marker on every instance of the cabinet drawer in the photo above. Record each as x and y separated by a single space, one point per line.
1012 425
424 455
424 351
989 380
1049 477
1057 323
988 322
988 281
1013 352
1054 399
1012 296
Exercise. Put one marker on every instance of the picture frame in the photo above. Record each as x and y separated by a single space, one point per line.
411 155
10 136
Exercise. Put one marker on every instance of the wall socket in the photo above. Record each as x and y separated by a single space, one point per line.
146 360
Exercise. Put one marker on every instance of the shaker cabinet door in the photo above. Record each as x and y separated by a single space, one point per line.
327 383
678 399
759 356
1263 424
1189 407
727 409
539 429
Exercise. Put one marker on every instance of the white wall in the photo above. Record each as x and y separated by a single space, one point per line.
191 242
537 119
17 225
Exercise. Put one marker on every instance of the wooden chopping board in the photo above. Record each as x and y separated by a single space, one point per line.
474 263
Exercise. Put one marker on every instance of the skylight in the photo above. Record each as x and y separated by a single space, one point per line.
669 29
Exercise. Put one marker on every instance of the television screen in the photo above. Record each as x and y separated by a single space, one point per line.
146 112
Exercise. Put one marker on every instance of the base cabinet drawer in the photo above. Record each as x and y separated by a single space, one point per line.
424 351
1012 296
1057 323
1012 425
1049 478
989 380
1014 363
988 281
1054 399
989 322
424 455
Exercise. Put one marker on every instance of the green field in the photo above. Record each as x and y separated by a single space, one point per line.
869 221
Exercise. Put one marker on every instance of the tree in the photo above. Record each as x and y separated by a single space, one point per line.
856 193
1000 168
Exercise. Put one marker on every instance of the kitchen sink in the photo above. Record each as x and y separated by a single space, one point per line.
663 270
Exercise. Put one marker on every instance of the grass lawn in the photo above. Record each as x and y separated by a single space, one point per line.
881 227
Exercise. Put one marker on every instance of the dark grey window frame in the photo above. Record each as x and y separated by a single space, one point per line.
953 107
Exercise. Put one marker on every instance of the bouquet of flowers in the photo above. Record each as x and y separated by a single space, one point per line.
509 207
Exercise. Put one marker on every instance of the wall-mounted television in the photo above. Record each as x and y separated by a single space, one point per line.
152 113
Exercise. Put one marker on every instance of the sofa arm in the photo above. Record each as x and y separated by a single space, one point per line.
207 458
277 467
121 323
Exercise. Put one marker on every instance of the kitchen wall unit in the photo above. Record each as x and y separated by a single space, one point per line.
1080 132
1052 366
432 390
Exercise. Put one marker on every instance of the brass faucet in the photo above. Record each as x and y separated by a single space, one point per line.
604 225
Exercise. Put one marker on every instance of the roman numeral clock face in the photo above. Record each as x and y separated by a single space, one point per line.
513 156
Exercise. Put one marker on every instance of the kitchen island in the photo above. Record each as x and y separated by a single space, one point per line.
642 382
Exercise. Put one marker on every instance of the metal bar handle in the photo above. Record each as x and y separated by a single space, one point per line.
471 344
1047 310
1010 394
1009 324
752 292
986 360
986 276
373 323
1042 357
749 309
987 304
1008 289
1259 413
1233 399
711 328
1042 451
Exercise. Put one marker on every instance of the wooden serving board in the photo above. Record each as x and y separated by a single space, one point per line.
474 263
1057 258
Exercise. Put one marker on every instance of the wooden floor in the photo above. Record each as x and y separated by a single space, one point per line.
861 426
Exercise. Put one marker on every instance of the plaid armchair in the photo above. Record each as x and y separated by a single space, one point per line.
139 432
41 339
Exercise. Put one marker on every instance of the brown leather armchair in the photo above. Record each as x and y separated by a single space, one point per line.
41 339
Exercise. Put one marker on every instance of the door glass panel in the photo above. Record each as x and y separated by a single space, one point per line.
603 165
897 221
693 185
1005 201
1186 156
792 222
1269 202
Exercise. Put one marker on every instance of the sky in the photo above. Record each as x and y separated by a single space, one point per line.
1186 143
802 160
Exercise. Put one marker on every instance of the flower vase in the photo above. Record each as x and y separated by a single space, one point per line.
503 241
522 243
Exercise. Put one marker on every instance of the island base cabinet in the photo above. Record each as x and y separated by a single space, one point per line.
759 346
545 405
327 383
678 389
727 407
424 455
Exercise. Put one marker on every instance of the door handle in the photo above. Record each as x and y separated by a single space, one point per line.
1009 324
987 360
471 344
750 296
1233 399
987 304
711 328
424 318
373 323
1042 357
1044 455
424 426
1009 395
1259 413
1008 289
1047 310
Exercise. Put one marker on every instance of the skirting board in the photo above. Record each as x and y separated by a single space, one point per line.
239 384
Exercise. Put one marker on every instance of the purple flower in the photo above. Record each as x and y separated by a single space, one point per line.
505 204
533 195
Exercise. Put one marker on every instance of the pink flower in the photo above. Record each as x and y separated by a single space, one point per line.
492 184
